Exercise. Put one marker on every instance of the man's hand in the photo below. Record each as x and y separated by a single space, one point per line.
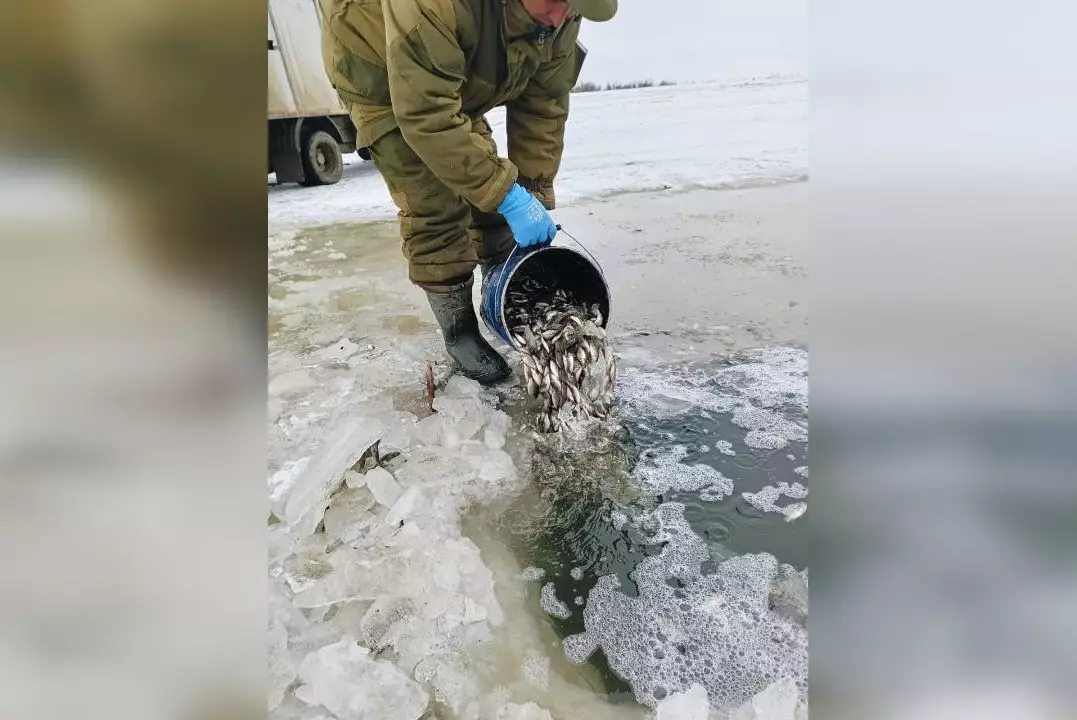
527 218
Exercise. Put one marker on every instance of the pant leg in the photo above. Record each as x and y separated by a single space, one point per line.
434 221
490 234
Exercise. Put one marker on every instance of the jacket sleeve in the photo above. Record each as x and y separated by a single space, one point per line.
535 121
426 68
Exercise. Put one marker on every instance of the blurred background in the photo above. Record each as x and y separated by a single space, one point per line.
132 503
132 360
944 230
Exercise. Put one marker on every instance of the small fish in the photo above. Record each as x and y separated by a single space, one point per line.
792 512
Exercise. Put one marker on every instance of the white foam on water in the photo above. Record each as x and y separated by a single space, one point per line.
552 604
618 519
532 574
767 429
660 395
767 498
661 470
684 628
760 392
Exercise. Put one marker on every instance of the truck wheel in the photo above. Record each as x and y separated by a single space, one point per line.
322 162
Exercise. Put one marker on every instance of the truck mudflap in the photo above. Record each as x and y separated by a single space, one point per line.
284 157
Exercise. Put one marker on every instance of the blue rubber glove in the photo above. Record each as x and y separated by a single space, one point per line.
527 218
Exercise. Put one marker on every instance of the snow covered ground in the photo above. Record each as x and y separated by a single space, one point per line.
675 137
388 598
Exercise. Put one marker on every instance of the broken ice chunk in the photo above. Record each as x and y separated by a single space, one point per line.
497 465
344 679
473 612
496 428
459 386
308 497
294 709
778 701
405 506
353 479
386 611
282 481
692 704
384 486
347 515
461 418
281 669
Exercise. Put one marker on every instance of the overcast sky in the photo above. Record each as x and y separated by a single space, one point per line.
700 40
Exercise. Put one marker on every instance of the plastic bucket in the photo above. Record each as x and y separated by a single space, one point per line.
555 266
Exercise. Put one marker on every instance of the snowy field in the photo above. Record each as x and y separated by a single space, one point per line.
396 589
677 137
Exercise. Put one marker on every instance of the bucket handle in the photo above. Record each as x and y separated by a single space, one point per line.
516 246
582 246
501 279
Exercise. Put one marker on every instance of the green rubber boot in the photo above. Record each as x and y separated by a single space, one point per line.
455 313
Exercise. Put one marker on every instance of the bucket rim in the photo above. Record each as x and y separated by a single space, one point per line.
506 279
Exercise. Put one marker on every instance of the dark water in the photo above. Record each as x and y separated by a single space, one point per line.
565 523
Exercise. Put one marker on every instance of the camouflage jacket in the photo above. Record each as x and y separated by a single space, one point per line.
429 67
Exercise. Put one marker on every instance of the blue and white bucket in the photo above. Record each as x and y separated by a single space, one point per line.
556 267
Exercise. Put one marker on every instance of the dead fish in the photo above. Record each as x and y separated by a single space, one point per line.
792 512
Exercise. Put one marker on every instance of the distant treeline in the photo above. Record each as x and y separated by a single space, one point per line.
596 87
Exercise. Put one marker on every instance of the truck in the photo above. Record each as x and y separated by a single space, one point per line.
310 130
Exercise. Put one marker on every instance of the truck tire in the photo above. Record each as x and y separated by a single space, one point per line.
322 161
